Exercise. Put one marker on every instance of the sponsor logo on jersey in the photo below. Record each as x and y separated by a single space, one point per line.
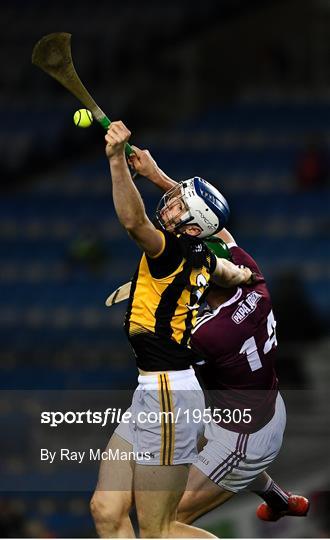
246 307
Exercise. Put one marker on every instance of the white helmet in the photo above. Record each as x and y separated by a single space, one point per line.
201 204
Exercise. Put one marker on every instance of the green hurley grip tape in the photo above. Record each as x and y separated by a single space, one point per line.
105 122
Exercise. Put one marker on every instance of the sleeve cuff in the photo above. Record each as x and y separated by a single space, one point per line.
162 248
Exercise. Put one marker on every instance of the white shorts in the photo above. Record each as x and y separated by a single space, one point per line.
233 460
160 431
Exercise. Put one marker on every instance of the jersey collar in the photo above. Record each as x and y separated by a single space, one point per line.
231 300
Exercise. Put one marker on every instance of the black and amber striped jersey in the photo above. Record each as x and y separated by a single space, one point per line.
164 300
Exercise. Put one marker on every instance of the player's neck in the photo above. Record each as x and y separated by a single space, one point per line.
219 296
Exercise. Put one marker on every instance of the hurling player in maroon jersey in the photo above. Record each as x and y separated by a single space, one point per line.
237 335
244 429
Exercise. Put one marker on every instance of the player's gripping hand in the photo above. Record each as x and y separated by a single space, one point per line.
255 279
247 275
116 138
142 162
251 278
227 274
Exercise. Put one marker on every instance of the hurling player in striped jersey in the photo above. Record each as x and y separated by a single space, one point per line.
170 278
236 334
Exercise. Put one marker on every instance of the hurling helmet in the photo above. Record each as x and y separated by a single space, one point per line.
196 202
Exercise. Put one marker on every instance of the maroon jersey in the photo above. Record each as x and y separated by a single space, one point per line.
238 342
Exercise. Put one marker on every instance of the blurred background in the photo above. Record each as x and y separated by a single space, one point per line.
235 91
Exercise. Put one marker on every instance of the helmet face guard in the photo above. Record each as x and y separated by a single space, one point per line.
172 210
193 202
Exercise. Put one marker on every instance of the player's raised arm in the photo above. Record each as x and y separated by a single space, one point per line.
127 200
146 166
227 274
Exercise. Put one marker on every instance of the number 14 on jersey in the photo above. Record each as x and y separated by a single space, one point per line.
250 347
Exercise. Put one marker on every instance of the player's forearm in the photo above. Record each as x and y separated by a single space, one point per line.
226 236
127 200
161 180
229 275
